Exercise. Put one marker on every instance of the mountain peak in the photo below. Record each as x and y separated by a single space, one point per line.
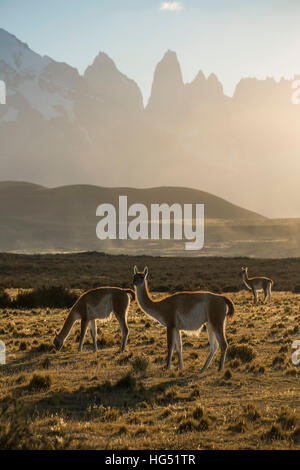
6 38
104 78
167 86
103 59
171 55
18 56
199 77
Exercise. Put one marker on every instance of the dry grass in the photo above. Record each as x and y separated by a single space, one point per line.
107 400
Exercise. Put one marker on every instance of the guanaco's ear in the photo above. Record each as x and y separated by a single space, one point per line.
135 270
145 272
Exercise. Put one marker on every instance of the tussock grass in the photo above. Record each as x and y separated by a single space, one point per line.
275 433
128 382
40 382
92 395
5 300
15 428
288 419
251 412
243 352
140 363
239 426
44 296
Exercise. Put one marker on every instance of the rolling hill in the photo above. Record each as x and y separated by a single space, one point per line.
34 217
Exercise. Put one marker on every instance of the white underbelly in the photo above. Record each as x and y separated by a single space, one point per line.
101 310
191 321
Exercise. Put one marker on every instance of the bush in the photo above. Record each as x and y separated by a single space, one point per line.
252 412
243 352
140 364
128 382
46 296
296 436
273 434
192 424
15 429
5 300
232 288
188 425
287 419
40 382
227 374
198 412
240 426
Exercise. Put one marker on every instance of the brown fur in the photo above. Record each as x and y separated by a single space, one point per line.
94 304
187 311
257 283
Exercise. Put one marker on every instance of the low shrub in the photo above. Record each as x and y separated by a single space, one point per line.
273 434
287 419
5 300
15 428
240 426
39 383
127 382
45 296
252 412
140 364
243 352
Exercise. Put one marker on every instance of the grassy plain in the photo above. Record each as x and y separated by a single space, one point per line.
106 400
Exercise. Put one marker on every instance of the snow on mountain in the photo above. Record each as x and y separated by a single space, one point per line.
25 74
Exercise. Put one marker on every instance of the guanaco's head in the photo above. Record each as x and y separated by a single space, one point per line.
58 342
139 277
244 270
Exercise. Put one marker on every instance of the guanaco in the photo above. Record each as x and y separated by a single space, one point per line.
94 304
187 311
257 284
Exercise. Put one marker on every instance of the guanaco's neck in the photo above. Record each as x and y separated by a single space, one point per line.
70 320
245 278
145 302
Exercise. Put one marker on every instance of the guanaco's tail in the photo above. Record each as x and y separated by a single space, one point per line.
131 293
230 304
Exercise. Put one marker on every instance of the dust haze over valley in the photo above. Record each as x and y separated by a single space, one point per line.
62 128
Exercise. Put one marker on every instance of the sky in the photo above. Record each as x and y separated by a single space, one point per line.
231 38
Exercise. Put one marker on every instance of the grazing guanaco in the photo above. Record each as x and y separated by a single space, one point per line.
257 284
94 304
187 311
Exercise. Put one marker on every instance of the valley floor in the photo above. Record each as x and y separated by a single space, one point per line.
106 400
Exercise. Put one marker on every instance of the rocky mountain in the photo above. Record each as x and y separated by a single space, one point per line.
61 128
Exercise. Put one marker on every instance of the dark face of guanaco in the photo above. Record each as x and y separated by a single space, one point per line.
139 278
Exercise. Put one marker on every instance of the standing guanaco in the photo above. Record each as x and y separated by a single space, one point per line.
187 311
94 304
257 284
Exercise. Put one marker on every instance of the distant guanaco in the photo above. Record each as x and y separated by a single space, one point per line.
187 311
95 304
257 284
